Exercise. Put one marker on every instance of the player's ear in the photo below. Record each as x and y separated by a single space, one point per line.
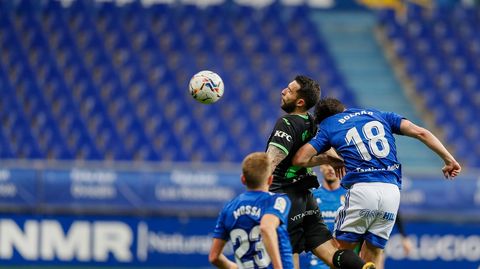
270 180
243 179
300 102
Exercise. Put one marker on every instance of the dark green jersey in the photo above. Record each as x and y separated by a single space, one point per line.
289 134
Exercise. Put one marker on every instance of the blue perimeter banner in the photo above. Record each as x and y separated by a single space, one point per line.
187 191
197 192
105 241
436 245
185 242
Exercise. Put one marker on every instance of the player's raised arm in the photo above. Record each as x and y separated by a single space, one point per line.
268 229
452 168
216 256
304 156
307 156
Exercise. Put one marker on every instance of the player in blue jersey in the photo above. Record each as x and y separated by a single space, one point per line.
255 222
329 196
364 139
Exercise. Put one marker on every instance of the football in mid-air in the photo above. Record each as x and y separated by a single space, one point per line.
206 87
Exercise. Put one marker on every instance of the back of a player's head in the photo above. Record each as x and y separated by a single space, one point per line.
327 107
256 169
309 90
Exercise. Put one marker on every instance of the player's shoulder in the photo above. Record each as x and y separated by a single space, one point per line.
332 120
361 111
234 202
340 190
230 204
380 114
291 120
280 202
357 114
274 196
374 110
320 190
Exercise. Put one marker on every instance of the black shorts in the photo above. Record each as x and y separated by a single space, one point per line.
305 224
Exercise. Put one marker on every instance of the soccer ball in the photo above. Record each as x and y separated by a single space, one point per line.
206 87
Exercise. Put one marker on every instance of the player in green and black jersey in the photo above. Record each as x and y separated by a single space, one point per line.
306 228
290 133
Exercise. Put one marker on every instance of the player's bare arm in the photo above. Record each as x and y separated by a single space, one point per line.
307 156
216 256
452 168
268 229
276 155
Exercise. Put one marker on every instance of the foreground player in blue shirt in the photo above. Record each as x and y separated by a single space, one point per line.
255 222
364 139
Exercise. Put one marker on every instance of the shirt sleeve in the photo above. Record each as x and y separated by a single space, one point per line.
394 120
220 231
283 136
279 206
320 141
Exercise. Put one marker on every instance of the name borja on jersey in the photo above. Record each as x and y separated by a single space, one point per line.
352 115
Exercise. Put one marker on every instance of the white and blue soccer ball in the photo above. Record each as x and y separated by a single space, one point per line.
206 87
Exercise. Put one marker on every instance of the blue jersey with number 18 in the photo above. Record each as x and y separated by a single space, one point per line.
239 221
364 139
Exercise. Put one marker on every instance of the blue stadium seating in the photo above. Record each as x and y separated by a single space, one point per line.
98 81
440 49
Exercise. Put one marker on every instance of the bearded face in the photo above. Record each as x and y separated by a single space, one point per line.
288 106
290 97
328 173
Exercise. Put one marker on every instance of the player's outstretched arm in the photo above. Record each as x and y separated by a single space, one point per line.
304 156
452 167
216 256
268 229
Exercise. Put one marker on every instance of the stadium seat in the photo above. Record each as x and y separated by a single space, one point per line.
440 51
107 81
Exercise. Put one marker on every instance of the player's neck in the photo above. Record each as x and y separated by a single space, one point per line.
331 186
298 112
263 188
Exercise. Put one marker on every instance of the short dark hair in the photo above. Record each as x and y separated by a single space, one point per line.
309 90
327 107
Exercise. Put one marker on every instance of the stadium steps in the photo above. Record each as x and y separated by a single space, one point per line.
351 40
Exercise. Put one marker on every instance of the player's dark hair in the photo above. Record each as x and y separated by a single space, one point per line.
327 107
309 90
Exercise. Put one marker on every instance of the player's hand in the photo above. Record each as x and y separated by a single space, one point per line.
451 169
340 172
337 164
